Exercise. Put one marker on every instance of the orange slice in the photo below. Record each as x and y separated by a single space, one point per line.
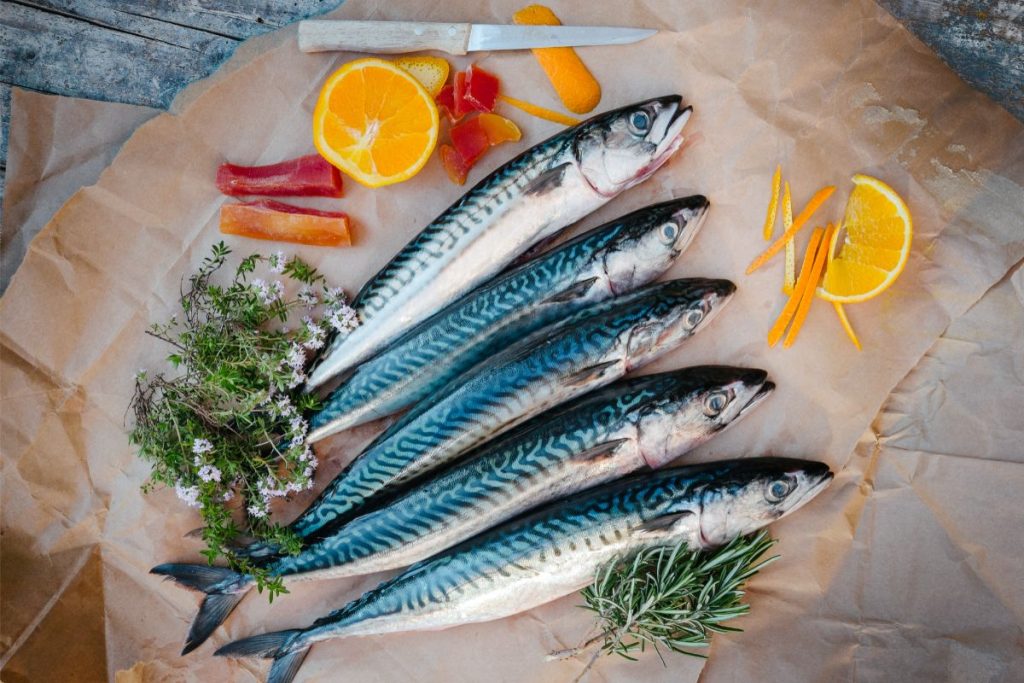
375 122
877 243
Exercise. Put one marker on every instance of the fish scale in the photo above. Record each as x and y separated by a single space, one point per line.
536 194
518 383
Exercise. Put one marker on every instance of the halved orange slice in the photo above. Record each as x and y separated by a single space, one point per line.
878 234
375 122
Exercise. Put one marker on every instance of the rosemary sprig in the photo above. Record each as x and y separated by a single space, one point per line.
670 597
227 430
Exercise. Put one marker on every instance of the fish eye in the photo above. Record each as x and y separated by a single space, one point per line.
715 403
779 489
669 231
695 315
640 122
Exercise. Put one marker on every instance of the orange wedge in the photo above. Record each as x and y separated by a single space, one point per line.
877 243
375 122
431 72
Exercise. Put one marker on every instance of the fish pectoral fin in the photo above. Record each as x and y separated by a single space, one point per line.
589 374
662 525
577 291
598 452
546 181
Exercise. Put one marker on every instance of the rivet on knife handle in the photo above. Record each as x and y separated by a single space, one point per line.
388 37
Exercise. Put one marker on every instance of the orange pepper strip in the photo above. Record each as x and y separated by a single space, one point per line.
807 293
540 112
817 200
576 86
845 322
773 204
779 327
270 220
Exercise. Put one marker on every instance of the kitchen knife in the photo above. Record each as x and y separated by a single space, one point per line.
391 37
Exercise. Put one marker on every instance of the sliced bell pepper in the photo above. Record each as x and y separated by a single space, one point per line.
446 102
270 220
471 138
454 165
308 176
481 91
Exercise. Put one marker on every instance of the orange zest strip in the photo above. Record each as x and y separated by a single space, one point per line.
775 334
539 112
817 200
807 291
773 204
787 222
845 322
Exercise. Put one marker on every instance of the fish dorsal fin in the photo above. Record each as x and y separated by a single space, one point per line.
589 374
546 181
662 525
599 452
569 294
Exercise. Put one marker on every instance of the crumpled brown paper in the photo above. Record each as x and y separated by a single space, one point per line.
819 93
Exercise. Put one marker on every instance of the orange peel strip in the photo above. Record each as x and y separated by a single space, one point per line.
775 333
816 201
773 204
845 322
807 290
539 112
787 222
576 86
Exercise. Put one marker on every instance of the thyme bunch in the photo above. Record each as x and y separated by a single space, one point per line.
670 597
227 429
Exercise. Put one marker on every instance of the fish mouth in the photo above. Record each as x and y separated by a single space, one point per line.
764 392
672 139
824 479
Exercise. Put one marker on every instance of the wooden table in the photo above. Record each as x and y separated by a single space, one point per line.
145 51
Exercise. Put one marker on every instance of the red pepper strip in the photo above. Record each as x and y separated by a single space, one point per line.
481 92
470 140
270 220
308 176
446 101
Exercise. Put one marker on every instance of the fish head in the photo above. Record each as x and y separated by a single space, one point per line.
620 148
701 402
754 492
649 240
673 311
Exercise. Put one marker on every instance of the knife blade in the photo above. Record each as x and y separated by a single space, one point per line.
392 37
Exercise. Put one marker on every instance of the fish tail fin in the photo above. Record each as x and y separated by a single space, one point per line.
223 587
280 645
285 666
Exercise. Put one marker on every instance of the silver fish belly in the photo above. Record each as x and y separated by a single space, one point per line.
556 364
609 260
541 191
557 550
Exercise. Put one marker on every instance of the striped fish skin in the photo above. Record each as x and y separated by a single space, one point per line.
541 191
557 550
615 258
556 364
632 423
602 436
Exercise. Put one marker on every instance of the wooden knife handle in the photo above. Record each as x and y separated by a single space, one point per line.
389 37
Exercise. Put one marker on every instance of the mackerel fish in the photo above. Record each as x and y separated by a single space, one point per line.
607 261
557 550
632 423
544 189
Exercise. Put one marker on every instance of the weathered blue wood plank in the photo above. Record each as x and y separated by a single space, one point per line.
982 40
138 52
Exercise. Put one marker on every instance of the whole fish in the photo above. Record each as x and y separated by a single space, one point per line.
555 364
632 423
544 189
607 261
557 551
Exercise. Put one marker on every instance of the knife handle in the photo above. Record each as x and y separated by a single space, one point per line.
388 37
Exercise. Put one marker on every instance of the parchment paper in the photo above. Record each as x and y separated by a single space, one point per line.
771 83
